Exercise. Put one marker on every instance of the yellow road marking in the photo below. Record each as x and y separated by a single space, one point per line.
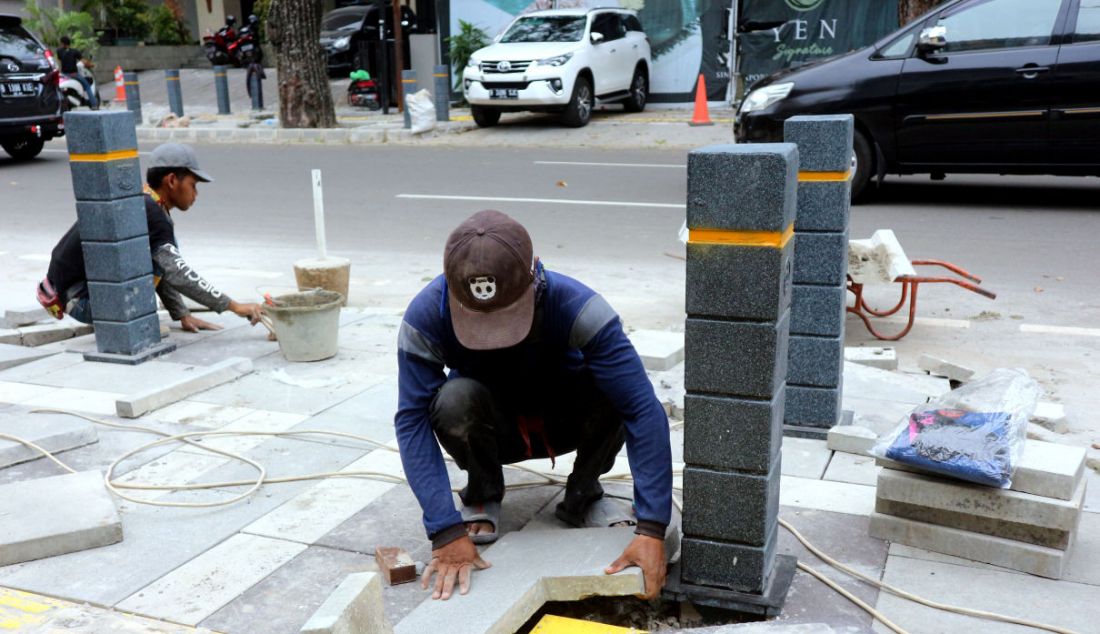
775 239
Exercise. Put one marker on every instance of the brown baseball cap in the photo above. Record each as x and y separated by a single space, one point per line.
489 264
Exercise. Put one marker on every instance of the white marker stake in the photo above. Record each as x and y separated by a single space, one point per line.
319 214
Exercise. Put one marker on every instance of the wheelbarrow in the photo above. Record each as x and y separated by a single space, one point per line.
880 260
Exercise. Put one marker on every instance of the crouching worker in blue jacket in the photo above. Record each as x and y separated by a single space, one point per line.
539 366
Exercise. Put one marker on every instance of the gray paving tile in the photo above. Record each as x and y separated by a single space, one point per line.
369 413
285 599
12 355
846 467
805 457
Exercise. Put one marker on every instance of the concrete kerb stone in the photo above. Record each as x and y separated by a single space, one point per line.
136 405
33 336
851 439
56 515
18 317
355 607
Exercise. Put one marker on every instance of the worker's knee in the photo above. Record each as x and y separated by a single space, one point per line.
458 406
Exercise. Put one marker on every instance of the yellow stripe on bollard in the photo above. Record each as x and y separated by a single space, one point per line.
172 78
774 239
103 157
408 81
439 75
131 83
824 177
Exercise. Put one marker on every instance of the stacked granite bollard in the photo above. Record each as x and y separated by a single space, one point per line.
133 96
114 236
816 367
740 215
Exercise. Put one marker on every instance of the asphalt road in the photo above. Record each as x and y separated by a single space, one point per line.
611 218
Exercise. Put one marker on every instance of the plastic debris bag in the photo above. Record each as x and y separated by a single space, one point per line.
974 433
421 111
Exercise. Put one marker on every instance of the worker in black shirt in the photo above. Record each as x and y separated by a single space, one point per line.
170 184
69 58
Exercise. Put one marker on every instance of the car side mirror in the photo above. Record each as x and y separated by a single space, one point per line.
597 37
932 40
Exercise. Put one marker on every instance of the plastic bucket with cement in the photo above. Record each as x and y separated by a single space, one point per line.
307 324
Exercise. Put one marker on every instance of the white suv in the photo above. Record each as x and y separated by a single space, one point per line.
561 61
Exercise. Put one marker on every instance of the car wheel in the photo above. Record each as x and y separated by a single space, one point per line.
485 117
579 110
639 92
864 167
23 149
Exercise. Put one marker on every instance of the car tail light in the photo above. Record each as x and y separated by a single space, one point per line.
51 59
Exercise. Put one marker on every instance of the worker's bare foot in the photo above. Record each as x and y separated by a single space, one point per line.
477 528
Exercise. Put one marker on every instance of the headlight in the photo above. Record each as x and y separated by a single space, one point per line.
472 63
553 61
763 97
342 43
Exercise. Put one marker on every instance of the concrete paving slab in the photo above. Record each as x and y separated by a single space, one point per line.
27 612
91 375
30 372
826 495
1022 596
175 468
256 420
877 415
286 598
313 513
942 367
53 432
11 336
369 413
980 501
85 401
25 316
373 333
198 588
1007 553
659 349
1046 469
11 392
529 569
845 538
883 358
166 391
853 439
866 382
203 415
846 467
354 607
46 333
261 391
1038 535
805 457
12 355
55 516
213 347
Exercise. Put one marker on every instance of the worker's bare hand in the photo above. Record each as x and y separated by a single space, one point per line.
454 561
648 553
190 323
251 312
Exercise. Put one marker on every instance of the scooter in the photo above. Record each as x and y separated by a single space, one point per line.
228 46
73 93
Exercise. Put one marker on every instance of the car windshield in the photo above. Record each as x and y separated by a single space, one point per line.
558 28
343 21
14 42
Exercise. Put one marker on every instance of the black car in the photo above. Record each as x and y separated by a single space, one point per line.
347 32
974 86
30 102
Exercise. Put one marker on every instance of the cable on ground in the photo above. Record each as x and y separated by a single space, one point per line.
114 487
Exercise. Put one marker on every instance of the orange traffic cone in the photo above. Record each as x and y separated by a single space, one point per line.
701 116
120 85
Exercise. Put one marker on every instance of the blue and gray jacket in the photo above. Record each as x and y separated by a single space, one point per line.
580 332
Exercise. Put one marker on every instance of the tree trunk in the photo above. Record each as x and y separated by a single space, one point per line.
305 98
909 10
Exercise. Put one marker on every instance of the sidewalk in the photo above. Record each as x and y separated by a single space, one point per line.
273 558
660 126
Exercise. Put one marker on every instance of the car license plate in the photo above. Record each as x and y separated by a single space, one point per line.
17 89
246 47
504 93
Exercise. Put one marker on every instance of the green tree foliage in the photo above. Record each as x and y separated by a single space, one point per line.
50 24
168 24
261 9
462 45
125 18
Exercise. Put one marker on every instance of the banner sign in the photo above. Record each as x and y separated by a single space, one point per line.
778 34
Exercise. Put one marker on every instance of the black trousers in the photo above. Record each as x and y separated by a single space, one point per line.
482 434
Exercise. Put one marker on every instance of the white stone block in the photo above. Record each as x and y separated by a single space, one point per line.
877 357
11 336
851 439
1007 553
945 368
1051 415
659 349
135 405
19 317
981 501
54 516
355 607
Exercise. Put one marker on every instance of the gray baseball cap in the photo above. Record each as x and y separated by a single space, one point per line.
179 155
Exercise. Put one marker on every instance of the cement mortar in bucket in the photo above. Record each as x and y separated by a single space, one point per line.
307 324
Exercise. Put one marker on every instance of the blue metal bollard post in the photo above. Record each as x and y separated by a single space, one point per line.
256 86
175 92
408 87
133 96
442 76
110 210
221 86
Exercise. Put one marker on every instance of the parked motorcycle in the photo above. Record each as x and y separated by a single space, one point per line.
228 46
73 92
